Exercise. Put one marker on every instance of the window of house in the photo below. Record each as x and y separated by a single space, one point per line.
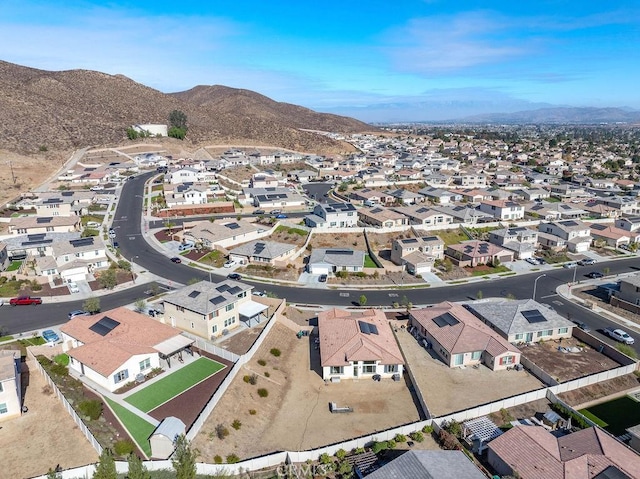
336 370
476 355
1 388
519 336
507 360
180 308
546 332
145 364
193 325
120 376
369 367
214 328
390 368
229 307
3 408
563 330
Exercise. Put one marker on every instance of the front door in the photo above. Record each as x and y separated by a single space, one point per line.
355 371
529 337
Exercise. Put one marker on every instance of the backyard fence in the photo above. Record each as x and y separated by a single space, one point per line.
212 348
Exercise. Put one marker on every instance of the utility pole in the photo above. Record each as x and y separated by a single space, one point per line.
13 176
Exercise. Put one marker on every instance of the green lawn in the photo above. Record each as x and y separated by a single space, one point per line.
175 383
14 266
138 428
616 415
451 236
368 262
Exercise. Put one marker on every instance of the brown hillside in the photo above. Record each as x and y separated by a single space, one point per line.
77 108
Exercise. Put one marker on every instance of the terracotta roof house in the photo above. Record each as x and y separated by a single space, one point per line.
423 215
222 233
354 344
523 320
381 217
461 339
112 348
429 465
610 235
475 252
532 452
43 224
10 384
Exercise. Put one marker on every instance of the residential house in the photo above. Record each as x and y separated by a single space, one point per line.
629 290
186 194
327 261
415 464
41 224
4 256
406 197
381 217
564 190
424 216
601 211
575 233
465 214
302 176
10 384
475 252
262 252
182 175
418 254
471 180
473 195
521 240
263 180
356 344
221 233
209 309
522 320
630 223
533 194
611 236
532 452
503 210
438 195
438 180
274 197
119 346
332 215
460 339
73 260
371 197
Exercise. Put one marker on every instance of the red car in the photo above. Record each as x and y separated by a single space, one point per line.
22 300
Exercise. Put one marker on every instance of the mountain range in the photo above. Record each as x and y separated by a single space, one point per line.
69 109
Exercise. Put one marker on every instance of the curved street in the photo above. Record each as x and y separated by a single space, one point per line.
128 223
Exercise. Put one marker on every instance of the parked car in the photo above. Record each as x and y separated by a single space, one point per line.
532 261
259 212
175 259
230 264
276 212
73 287
78 312
25 300
259 293
570 265
541 261
323 278
595 275
619 335
116 244
50 336
281 216
582 326
234 276
586 261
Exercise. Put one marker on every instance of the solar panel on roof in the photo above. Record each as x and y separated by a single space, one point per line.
533 316
222 288
259 248
445 319
569 223
409 241
194 294
81 242
367 328
44 219
67 193
38 237
340 251
104 326
234 290
233 226
217 300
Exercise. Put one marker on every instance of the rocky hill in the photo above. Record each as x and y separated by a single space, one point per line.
69 109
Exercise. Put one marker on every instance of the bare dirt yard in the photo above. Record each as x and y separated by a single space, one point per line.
580 397
447 390
43 437
28 171
523 411
295 414
566 366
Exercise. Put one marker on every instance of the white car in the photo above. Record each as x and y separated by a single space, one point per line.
230 264
73 287
532 261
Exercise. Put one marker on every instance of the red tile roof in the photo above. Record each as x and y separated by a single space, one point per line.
341 340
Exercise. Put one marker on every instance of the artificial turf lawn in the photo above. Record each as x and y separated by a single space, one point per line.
138 428
175 383
617 414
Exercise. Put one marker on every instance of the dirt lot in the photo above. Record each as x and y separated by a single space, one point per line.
29 171
567 366
448 390
295 415
523 411
586 394
43 437
241 342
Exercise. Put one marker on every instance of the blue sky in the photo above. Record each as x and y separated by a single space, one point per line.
371 59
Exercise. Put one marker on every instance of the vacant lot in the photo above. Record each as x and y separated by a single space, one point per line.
295 414
566 366
448 390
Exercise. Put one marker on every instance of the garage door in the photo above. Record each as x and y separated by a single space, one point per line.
319 269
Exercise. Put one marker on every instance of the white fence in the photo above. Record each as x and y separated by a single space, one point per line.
81 425
212 348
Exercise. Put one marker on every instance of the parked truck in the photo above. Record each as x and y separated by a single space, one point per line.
25 300
619 335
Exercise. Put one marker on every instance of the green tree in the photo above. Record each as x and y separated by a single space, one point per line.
137 470
140 305
92 305
108 279
124 265
178 133
178 119
184 459
363 300
132 134
106 468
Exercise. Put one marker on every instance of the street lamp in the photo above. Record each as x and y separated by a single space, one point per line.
535 283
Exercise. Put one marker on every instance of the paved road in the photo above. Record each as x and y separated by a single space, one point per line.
132 243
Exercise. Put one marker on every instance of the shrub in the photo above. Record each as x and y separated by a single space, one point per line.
275 352
266 374
325 458
253 412
263 393
262 362
59 369
221 431
391 444
417 436
124 447
379 447
454 428
341 454
236 424
447 440
428 429
232 459
251 379
245 378
217 459
92 408
400 438
359 450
